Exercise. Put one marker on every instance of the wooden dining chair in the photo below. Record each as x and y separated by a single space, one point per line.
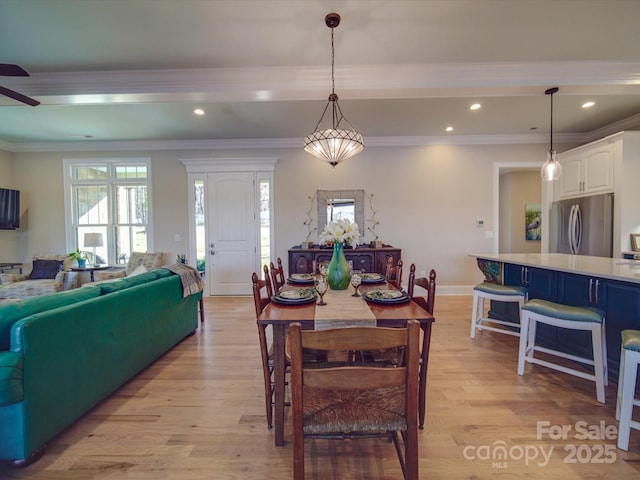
356 400
393 273
428 284
277 275
262 292
428 303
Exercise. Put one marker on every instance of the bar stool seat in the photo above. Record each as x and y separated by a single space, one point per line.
626 399
573 318
500 293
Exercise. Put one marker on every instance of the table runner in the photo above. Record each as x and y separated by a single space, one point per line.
343 310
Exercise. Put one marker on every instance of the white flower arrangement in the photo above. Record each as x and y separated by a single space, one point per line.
341 231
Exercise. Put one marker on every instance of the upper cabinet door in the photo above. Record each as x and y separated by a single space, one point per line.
571 178
587 171
598 166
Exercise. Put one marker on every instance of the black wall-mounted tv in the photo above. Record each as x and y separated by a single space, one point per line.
9 209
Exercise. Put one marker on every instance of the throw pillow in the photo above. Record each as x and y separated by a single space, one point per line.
45 269
138 271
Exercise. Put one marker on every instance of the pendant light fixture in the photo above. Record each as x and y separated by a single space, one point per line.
551 170
335 143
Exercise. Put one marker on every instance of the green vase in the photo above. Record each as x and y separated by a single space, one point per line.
338 272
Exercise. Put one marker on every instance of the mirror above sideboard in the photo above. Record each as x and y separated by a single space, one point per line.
335 204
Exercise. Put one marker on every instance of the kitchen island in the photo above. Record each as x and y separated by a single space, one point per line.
610 284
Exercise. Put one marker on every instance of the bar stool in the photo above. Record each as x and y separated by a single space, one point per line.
626 400
572 318
500 293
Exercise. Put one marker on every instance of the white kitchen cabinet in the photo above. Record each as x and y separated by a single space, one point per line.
586 171
608 165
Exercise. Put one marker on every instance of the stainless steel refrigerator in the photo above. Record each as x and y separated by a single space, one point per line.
582 226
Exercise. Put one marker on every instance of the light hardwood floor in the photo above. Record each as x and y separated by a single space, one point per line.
198 413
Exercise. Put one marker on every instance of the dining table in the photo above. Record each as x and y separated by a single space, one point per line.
340 311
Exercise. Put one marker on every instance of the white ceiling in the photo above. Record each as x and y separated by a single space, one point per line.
113 73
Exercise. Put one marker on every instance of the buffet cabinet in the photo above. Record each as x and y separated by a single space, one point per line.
363 257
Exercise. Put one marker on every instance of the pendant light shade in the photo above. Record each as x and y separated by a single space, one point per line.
339 141
551 169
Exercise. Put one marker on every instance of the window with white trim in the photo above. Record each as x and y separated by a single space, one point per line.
111 197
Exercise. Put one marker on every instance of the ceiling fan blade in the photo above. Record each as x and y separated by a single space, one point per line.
18 96
9 70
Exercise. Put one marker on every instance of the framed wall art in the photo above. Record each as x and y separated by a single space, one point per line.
533 221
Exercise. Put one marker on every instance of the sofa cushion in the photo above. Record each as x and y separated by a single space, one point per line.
127 282
163 272
11 386
11 312
30 288
45 269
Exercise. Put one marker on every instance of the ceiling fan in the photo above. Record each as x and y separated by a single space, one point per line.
8 70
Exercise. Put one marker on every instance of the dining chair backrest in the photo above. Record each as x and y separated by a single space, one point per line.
262 290
429 284
351 400
277 275
394 273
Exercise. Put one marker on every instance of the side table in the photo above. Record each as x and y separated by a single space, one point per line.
10 266
90 269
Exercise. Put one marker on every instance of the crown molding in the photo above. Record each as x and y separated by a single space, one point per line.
283 143
230 164
631 123
311 82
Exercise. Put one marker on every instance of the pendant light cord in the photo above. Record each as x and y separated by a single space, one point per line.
550 92
333 76
333 98
551 132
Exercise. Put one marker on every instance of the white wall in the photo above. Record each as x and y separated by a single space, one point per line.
42 195
427 199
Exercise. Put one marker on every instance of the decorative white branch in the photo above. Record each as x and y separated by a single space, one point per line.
373 220
309 219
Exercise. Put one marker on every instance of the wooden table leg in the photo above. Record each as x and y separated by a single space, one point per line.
279 331
422 399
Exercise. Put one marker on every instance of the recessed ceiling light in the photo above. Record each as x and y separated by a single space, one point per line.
475 106
198 111
449 129
588 104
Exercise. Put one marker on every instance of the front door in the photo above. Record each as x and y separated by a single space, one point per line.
231 253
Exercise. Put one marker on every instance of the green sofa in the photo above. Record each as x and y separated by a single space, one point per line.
62 353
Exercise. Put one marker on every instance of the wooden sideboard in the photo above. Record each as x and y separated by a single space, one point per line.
363 257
